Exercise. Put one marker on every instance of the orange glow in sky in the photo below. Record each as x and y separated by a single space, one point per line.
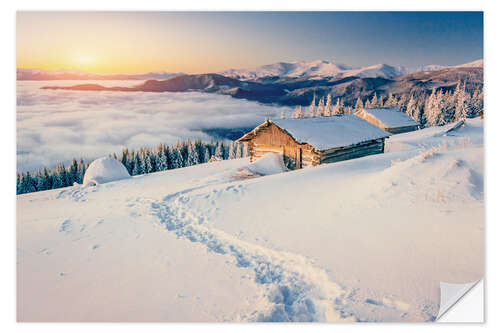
107 42
204 42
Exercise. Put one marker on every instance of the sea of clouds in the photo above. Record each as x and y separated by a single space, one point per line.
55 126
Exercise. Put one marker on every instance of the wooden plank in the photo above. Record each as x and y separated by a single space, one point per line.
298 158
351 155
352 146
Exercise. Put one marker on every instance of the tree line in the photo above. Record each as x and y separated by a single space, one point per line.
137 162
436 108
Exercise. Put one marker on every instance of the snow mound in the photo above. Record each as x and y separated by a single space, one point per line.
269 164
104 170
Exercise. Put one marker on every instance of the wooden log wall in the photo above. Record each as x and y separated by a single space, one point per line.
354 151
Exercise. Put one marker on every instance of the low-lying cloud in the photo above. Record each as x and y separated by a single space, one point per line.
55 126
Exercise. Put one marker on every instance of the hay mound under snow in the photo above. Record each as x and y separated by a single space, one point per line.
104 170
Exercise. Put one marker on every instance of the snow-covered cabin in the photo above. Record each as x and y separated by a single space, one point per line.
392 120
312 141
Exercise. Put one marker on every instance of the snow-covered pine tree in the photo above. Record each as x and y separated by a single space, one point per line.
193 156
461 100
359 105
337 108
402 101
219 150
19 188
298 112
320 110
380 103
206 154
28 183
160 159
47 179
328 106
477 101
430 112
412 109
82 167
312 107
374 102
391 101
73 172
342 106
232 150
137 170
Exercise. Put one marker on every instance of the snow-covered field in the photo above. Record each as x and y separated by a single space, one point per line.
361 240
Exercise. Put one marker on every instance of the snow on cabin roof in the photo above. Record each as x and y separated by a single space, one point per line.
391 117
330 132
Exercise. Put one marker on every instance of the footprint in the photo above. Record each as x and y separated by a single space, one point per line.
66 226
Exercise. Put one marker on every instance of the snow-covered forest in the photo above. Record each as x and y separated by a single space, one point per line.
139 162
435 109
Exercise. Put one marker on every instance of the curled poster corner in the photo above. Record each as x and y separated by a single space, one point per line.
451 293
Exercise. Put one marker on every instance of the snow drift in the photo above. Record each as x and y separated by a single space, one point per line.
269 164
104 170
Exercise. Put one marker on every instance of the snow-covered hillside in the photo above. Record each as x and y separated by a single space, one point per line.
361 240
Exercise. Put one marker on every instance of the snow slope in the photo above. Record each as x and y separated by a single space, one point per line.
361 240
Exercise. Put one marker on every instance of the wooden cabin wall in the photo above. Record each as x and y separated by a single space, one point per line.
353 151
404 129
272 139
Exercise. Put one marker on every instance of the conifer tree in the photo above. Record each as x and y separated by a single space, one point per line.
374 101
320 110
298 112
206 155
232 150
312 107
359 105
219 151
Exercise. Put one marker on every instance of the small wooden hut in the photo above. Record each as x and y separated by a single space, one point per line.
312 141
391 120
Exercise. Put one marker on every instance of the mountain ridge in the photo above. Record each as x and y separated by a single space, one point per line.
295 69
300 91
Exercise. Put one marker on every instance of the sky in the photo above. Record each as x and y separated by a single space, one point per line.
202 42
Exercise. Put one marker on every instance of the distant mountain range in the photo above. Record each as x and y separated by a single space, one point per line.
312 69
300 90
325 69
43 75
318 69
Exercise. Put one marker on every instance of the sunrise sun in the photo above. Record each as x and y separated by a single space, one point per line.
84 59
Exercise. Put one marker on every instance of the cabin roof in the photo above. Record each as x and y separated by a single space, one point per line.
391 117
327 132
